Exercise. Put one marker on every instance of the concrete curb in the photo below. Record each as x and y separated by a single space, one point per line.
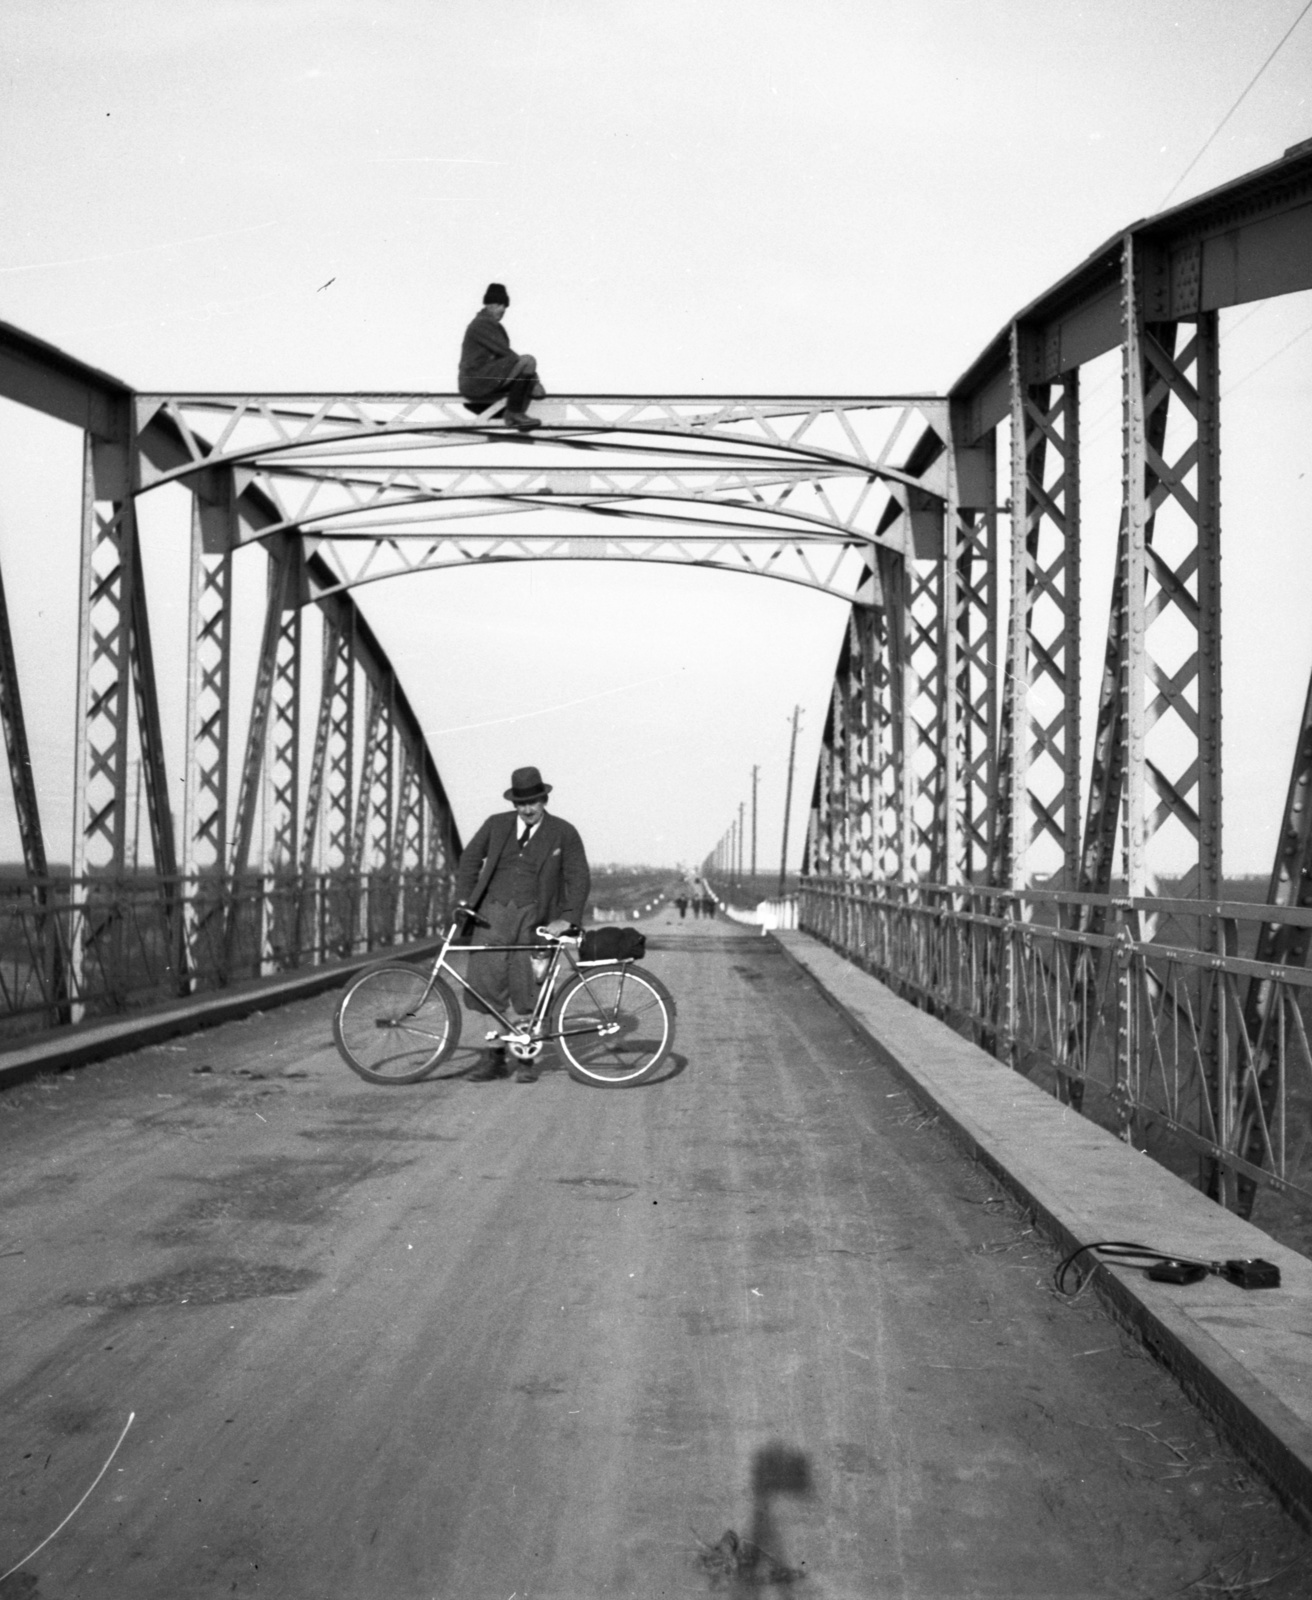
1243 1356
76 1046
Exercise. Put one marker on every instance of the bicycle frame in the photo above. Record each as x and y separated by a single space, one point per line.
525 1041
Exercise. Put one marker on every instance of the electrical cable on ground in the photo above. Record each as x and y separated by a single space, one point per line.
1164 1266
76 1508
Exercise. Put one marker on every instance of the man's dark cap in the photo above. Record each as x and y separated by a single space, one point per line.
526 784
496 295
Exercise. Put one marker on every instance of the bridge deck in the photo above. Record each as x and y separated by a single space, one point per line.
498 1340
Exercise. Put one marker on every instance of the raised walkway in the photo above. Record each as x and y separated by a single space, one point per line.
1245 1356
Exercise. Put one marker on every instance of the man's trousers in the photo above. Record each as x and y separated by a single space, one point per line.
504 976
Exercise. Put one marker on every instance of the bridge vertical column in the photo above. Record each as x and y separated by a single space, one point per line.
970 672
1171 582
205 746
284 914
949 843
829 844
917 579
327 836
862 758
1043 707
1170 595
100 740
1139 401
150 741
888 635
248 933
50 962
26 807
1261 1131
439 857
407 847
371 861
104 660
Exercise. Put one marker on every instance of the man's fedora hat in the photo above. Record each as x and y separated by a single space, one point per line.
526 784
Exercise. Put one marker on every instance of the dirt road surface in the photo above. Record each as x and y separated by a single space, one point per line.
756 1328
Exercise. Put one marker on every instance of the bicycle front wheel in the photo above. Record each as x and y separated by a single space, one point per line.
393 1026
613 1026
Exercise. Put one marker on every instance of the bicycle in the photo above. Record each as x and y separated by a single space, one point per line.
612 1025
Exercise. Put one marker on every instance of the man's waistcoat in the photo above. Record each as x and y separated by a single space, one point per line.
554 861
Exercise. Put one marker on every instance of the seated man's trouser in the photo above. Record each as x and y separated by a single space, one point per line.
504 976
518 392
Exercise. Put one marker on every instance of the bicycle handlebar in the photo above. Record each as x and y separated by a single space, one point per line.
571 935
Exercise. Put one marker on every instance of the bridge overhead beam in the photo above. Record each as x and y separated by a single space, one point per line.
844 570
37 375
1247 240
385 485
311 431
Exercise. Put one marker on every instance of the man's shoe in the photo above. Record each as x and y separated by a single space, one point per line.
491 1066
522 421
528 1073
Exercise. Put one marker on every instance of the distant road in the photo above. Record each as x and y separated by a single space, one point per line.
542 1341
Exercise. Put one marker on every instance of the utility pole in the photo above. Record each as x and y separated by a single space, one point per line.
788 801
741 809
755 771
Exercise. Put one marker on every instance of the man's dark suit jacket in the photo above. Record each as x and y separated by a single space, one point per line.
555 851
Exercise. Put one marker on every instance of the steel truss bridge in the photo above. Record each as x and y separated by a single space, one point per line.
950 764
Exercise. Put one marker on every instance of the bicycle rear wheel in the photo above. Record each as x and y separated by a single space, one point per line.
392 1026
613 1026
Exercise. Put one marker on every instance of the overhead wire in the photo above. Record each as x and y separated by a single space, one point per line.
1207 143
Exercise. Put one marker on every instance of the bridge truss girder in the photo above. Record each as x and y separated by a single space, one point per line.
388 485
984 691
232 883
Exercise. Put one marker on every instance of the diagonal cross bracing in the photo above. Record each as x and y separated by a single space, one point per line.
748 485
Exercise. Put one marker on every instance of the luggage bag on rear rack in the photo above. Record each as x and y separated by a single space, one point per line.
612 944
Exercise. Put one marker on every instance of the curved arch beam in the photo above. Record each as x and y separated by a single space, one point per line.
843 575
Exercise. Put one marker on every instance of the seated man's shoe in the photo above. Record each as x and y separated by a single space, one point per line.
528 1072
491 1065
522 421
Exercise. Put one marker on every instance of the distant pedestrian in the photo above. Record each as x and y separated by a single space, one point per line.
682 902
489 368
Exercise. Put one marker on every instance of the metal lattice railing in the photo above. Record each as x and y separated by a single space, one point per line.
74 950
1151 1015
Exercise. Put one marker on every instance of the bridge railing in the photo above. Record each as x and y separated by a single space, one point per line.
1151 1015
74 950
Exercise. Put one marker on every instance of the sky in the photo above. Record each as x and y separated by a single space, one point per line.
825 197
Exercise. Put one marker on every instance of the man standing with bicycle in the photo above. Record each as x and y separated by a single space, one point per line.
522 870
